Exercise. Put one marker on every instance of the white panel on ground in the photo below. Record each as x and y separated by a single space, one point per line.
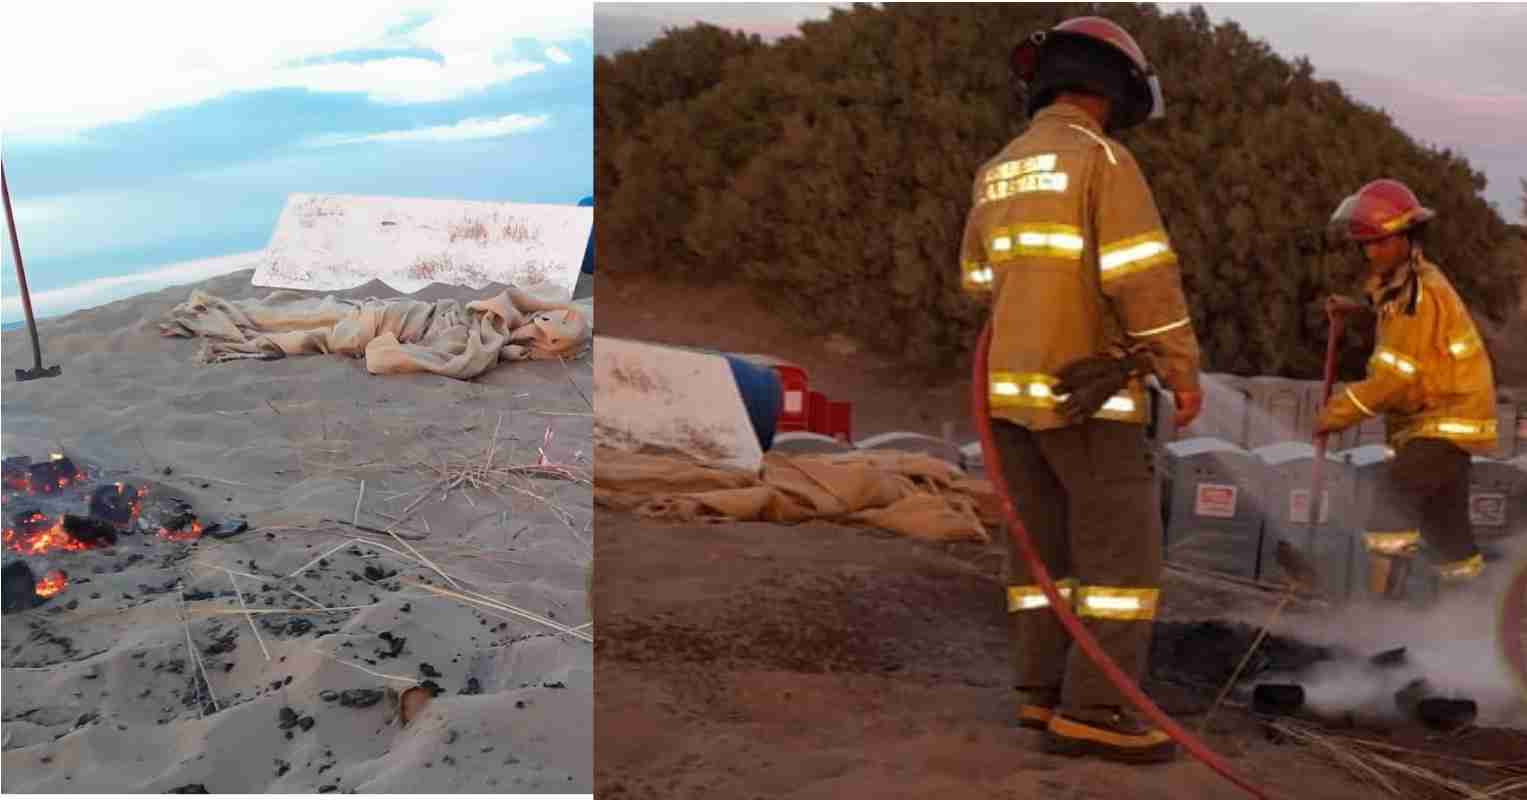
652 398
334 242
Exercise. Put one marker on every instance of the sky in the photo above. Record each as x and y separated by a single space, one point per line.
163 132
1451 75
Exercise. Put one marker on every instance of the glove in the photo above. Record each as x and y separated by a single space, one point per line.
1337 305
1087 383
1189 405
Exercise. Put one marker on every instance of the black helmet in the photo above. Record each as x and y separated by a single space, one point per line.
1093 55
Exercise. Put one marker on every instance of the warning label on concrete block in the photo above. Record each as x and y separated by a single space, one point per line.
1215 500
1488 509
1299 506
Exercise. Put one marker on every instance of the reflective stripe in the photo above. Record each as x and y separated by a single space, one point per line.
1134 254
1171 326
1120 404
1463 570
1107 602
1464 346
1391 543
1031 597
977 274
1033 390
1043 240
1398 364
1099 140
1351 395
1471 430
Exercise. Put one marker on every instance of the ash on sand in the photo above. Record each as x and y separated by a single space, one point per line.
102 690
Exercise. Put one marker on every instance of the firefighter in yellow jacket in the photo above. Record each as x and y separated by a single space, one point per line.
1431 379
1065 240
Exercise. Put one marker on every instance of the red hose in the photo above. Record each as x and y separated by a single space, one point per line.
980 404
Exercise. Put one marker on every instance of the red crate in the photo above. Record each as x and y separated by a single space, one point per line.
819 420
841 417
795 408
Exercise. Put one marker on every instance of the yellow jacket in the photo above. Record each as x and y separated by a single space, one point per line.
1429 374
1064 236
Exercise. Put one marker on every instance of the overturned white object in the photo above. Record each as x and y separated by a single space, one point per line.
326 242
650 398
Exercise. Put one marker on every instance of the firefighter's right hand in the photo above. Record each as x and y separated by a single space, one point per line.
1340 305
1189 405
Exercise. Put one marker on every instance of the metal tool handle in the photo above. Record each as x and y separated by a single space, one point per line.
26 296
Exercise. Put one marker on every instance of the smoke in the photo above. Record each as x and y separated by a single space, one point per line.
1453 645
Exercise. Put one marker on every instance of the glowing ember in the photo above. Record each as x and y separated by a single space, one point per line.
32 539
190 534
52 583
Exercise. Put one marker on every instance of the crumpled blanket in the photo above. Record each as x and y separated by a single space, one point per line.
395 336
911 494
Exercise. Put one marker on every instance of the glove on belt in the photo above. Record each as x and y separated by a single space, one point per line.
1090 381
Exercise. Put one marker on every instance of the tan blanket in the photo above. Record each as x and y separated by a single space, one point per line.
907 493
395 336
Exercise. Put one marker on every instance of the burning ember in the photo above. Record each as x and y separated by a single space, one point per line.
117 503
184 533
36 533
54 475
52 583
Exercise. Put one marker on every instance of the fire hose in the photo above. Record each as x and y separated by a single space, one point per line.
981 405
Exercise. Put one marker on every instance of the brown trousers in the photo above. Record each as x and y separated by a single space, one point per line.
1428 490
1088 498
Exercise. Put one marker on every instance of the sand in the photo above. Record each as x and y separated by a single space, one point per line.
99 691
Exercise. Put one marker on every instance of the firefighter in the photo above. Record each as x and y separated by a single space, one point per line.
1430 377
1065 241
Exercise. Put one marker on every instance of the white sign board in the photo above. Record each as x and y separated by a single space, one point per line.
669 400
1487 509
334 242
1299 506
1215 500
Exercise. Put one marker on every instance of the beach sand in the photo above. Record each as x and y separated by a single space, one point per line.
101 693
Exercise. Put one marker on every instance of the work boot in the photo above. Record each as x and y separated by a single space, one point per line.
1036 706
1112 733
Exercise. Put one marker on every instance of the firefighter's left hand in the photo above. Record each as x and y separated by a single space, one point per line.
1089 382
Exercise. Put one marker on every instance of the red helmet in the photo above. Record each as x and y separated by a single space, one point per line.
1133 87
1381 208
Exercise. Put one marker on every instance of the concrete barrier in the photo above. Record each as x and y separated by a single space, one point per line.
1215 508
1286 500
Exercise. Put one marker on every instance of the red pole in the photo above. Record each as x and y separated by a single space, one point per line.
981 407
1333 333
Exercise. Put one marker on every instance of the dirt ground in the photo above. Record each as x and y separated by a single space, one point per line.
815 661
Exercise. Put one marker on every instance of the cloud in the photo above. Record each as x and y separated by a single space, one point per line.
558 55
104 290
134 59
622 26
475 128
